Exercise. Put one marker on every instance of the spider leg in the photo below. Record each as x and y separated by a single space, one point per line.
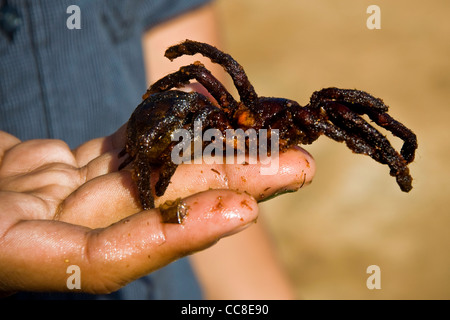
363 103
361 137
305 125
142 176
167 170
198 72
127 161
235 70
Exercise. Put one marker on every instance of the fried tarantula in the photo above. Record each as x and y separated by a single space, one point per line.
331 111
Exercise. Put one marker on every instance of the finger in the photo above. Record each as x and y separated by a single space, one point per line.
37 253
210 216
101 201
296 168
108 198
7 141
51 184
32 154
94 148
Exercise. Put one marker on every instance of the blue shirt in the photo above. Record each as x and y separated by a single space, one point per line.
79 84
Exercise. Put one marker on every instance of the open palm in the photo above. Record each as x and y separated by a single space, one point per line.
62 207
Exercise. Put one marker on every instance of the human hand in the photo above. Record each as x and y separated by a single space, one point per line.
60 207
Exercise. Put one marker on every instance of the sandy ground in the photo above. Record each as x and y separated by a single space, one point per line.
354 215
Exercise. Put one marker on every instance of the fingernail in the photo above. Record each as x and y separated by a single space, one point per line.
276 194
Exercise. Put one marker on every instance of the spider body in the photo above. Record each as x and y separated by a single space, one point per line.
333 112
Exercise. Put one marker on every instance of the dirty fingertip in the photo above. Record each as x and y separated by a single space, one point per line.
217 213
226 205
297 170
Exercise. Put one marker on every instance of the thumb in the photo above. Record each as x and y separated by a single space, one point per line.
142 243
109 258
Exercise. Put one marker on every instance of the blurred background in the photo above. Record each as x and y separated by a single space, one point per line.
353 214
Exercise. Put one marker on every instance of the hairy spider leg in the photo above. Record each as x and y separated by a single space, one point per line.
232 67
307 124
363 103
166 171
142 176
198 72
355 97
410 145
360 136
